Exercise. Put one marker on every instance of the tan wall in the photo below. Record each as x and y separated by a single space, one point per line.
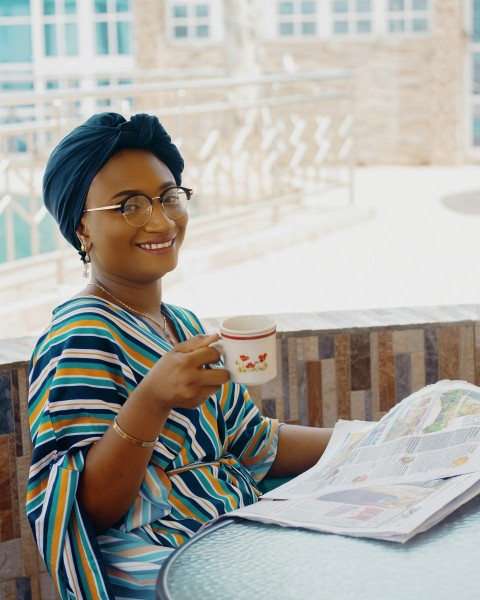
408 90
392 90
153 50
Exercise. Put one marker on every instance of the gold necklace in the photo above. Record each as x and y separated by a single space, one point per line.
137 312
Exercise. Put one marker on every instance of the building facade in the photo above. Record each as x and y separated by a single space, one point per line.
416 63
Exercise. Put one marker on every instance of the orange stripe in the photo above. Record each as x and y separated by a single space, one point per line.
56 531
259 457
69 371
225 396
34 414
100 324
85 562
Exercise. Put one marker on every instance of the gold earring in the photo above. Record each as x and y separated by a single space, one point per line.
86 262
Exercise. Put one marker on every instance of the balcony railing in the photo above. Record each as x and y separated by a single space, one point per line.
253 148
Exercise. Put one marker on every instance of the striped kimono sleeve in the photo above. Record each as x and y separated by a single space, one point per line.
64 535
79 378
252 438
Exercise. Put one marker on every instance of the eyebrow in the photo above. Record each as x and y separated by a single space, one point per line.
166 185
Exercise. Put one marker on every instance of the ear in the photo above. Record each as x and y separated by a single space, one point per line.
83 235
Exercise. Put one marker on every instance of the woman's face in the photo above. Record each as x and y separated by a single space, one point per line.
117 249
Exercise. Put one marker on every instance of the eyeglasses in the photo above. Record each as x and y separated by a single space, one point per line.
137 208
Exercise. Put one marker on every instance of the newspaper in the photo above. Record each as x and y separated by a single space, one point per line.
391 479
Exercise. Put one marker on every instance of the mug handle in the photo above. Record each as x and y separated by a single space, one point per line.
218 346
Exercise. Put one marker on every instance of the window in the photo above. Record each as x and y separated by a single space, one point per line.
191 20
60 27
15 32
408 16
476 22
351 16
113 27
345 19
23 229
476 126
15 8
474 96
15 43
296 18
476 73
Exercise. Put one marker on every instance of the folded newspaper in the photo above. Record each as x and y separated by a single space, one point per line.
389 479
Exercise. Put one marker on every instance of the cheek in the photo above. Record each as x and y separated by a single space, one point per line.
184 222
112 234
182 225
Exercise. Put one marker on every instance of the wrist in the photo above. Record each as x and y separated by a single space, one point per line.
147 402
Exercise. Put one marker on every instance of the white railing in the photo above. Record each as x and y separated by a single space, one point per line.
266 143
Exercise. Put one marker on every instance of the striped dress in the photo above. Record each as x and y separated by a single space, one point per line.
207 461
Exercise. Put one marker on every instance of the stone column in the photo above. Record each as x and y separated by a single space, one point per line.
241 45
149 34
448 81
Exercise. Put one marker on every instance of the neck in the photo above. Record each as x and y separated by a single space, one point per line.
143 298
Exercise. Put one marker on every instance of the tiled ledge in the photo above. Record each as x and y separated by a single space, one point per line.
307 324
15 351
18 350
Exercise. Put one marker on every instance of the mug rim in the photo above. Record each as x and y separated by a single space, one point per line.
242 333
250 336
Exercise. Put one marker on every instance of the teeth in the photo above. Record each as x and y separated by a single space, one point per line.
156 246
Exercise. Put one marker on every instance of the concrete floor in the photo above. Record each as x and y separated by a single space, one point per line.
412 239
420 247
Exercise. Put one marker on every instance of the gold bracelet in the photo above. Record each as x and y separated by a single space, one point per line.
133 440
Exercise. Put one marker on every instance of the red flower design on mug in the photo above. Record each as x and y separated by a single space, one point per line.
262 357
250 365
243 357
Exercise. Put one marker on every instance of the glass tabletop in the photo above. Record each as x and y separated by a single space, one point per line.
238 559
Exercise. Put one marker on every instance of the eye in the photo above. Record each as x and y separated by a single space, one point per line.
135 204
172 197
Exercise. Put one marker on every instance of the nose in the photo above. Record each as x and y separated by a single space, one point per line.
159 220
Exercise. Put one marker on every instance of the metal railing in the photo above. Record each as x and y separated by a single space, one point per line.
265 143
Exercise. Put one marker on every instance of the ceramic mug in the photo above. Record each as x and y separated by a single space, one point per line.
248 347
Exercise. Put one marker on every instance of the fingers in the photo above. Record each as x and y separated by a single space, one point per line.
187 379
215 377
199 350
197 341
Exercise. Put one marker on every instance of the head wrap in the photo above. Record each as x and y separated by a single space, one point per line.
76 160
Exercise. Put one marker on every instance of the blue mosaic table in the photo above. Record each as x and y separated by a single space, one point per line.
247 560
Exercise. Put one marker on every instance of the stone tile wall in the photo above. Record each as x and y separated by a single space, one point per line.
358 364
408 90
23 574
349 365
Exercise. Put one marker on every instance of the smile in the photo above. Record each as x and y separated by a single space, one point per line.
156 246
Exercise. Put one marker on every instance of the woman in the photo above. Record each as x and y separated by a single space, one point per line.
139 436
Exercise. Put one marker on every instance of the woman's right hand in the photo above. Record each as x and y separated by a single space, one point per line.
115 468
179 379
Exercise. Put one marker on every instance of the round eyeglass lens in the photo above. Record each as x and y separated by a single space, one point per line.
137 210
174 202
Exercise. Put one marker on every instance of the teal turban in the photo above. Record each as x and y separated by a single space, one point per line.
76 160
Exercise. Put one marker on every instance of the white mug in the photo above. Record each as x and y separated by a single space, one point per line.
248 347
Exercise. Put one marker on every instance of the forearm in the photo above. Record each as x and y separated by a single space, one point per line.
299 448
115 468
